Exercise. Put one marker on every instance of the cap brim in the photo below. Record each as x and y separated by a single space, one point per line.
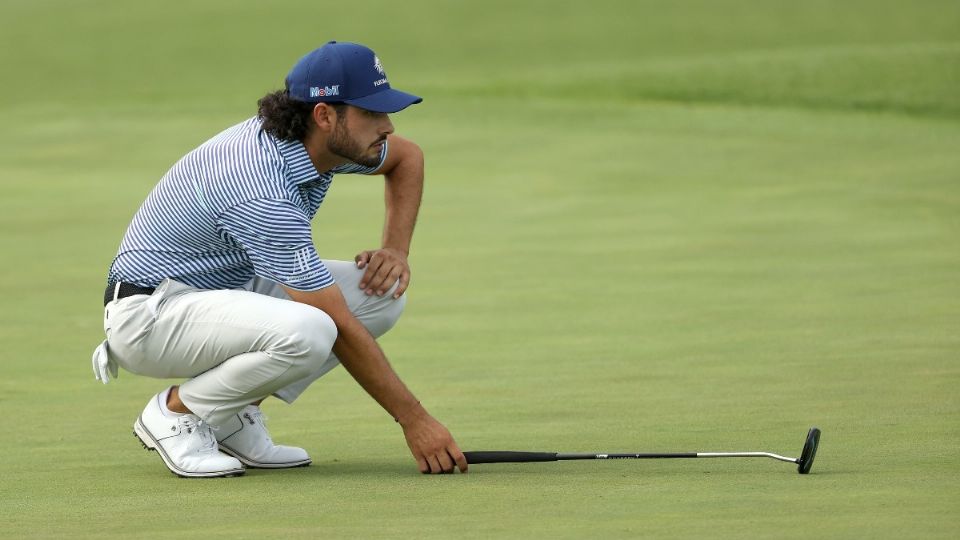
387 101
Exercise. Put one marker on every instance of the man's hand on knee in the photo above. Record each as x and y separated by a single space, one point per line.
384 268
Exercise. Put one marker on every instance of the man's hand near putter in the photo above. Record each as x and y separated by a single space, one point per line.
429 441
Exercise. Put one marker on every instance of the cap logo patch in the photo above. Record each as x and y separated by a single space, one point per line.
317 91
377 65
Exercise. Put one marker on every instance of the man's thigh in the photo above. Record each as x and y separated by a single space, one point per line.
345 274
182 332
377 313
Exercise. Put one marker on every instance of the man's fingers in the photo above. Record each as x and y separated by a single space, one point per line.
392 276
387 273
422 465
362 259
403 284
446 464
435 467
458 457
383 269
372 266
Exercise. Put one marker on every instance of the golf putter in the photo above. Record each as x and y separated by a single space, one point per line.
804 462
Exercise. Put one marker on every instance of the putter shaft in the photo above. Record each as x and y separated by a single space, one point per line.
528 457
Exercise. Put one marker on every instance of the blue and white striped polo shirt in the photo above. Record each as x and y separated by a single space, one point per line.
239 205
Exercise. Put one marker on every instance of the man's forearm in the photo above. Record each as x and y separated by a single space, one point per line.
430 442
359 352
362 357
403 191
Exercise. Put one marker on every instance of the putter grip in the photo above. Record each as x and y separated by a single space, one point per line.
508 457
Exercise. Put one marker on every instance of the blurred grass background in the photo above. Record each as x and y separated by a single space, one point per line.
648 226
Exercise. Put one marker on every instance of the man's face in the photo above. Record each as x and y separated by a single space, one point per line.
359 136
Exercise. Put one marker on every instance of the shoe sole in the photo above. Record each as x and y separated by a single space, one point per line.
260 465
151 444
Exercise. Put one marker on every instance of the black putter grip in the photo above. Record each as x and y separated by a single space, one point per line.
508 457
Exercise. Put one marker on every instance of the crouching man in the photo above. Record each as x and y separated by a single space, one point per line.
217 280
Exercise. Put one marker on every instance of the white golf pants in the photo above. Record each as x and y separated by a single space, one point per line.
236 346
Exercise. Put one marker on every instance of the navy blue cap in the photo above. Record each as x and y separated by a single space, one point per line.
347 72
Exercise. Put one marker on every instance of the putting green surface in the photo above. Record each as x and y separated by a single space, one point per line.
648 227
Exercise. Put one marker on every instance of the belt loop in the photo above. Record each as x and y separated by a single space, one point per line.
116 291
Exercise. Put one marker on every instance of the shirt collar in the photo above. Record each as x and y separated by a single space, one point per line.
299 168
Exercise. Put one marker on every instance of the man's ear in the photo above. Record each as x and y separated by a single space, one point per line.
325 117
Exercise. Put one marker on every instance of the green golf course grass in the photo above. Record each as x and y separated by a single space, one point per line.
648 227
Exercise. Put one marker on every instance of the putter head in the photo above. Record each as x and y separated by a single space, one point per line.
809 451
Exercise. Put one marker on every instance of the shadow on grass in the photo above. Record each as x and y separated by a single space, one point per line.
335 468
373 468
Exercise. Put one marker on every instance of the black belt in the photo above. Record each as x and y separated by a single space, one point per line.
126 289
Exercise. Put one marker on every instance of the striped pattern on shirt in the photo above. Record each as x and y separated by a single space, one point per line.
239 205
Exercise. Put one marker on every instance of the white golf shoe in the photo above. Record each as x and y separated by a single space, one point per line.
245 437
186 445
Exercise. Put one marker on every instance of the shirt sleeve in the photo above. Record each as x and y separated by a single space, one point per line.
277 238
355 168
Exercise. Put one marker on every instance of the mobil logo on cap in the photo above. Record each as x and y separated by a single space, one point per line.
324 91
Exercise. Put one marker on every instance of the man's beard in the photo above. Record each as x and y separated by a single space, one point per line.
342 145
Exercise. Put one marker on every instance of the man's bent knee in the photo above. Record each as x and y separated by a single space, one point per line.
392 312
380 316
318 334
308 342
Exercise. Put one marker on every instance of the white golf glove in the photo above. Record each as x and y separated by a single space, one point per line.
103 366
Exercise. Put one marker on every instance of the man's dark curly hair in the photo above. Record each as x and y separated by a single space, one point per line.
286 118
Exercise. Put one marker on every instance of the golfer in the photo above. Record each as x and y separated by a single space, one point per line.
217 280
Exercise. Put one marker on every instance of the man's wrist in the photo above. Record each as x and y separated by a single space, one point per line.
410 415
404 250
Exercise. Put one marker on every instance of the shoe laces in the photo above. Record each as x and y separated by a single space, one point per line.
208 442
254 415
